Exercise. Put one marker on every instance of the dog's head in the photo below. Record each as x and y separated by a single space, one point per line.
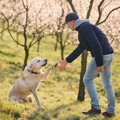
37 63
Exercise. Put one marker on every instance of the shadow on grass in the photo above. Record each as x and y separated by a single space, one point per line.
7 53
73 117
15 115
9 109
11 72
39 115
53 114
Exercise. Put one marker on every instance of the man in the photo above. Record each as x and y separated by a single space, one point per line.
94 40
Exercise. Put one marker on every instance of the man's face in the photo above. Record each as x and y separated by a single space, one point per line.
71 25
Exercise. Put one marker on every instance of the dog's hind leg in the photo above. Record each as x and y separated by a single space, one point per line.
28 99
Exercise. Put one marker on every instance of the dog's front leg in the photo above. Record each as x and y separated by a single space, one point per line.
37 99
46 73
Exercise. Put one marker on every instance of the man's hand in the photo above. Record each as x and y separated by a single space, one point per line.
100 69
63 64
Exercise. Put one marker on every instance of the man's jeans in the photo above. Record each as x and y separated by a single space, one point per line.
88 81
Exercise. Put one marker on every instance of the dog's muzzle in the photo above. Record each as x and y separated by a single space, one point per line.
45 62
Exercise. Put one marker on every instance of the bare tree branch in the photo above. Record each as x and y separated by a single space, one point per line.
66 38
30 45
106 5
108 15
90 9
24 4
99 12
36 21
14 38
71 4
8 28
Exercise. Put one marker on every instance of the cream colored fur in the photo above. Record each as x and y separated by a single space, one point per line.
29 81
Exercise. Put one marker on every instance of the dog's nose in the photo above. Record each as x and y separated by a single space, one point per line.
46 60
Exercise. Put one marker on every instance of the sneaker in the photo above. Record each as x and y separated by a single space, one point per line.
107 114
92 111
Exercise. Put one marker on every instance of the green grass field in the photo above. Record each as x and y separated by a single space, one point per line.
58 94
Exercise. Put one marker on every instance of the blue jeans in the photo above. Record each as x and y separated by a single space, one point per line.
88 81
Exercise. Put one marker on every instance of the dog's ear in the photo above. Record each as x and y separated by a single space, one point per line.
23 76
31 67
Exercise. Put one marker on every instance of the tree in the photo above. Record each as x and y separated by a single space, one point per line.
21 22
41 30
59 30
25 25
113 32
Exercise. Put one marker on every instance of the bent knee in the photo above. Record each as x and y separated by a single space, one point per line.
87 80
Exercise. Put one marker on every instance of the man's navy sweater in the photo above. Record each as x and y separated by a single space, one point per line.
92 39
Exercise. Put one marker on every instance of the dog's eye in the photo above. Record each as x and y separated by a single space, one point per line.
38 61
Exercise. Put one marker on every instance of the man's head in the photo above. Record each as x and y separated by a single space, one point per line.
70 19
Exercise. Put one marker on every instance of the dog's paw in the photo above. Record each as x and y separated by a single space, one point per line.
55 64
41 108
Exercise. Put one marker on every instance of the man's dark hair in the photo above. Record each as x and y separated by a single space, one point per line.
71 16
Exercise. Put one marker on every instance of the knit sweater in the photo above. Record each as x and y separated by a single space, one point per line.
92 39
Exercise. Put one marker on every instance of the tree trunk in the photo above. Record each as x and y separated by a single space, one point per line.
81 92
61 45
56 44
26 58
38 46
62 51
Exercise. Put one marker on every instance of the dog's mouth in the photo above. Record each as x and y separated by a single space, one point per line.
45 62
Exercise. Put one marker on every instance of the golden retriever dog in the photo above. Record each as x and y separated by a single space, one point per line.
29 81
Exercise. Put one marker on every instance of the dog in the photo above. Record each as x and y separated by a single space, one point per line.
27 84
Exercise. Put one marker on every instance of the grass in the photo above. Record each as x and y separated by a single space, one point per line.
58 94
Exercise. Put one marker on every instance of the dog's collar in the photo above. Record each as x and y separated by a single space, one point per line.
33 72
